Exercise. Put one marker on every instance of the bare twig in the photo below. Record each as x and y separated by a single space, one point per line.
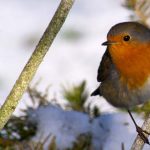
30 69
138 143
142 9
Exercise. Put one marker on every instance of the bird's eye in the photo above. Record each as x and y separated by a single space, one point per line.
126 38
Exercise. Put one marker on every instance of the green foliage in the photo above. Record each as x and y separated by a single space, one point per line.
83 142
71 34
130 4
96 112
16 130
52 145
144 109
76 95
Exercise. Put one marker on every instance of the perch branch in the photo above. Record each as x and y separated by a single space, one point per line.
138 143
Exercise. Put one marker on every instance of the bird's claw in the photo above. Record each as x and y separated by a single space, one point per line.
142 135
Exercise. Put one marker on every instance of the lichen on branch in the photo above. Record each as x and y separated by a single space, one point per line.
32 65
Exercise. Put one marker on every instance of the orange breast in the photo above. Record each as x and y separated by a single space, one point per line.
132 62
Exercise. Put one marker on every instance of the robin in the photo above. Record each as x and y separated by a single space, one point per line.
124 70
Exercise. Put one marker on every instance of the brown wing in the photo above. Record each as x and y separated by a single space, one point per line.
103 71
104 67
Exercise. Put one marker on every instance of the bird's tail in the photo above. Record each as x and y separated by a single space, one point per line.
96 92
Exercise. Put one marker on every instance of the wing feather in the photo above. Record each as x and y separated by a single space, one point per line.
104 67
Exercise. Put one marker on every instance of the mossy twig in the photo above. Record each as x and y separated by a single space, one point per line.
32 65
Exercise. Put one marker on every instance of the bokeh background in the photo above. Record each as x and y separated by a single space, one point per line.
72 60
74 55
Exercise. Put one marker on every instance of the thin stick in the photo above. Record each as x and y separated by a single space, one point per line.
139 143
32 65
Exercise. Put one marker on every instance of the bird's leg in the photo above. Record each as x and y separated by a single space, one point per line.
140 130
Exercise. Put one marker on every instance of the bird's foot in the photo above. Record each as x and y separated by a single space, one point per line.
142 133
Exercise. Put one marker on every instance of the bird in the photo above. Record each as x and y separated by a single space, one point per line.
124 71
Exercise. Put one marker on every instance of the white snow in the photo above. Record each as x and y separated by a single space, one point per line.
67 62
108 131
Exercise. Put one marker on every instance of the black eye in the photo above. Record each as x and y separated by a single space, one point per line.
126 38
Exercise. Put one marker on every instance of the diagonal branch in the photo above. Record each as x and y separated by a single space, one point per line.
32 65
138 143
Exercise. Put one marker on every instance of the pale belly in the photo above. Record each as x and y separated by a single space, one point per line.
119 95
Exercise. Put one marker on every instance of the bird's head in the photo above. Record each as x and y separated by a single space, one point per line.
129 46
126 37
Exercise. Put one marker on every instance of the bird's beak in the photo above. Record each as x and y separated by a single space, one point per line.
108 43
